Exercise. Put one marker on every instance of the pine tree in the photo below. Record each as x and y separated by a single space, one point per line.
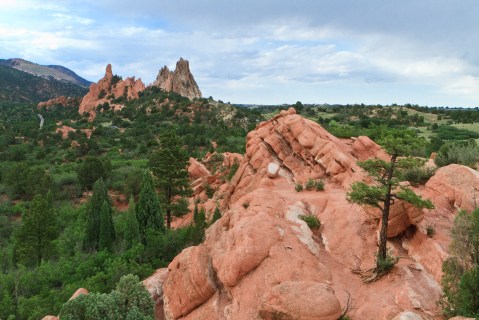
386 187
216 215
105 242
34 240
132 233
148 209
169 166
93 217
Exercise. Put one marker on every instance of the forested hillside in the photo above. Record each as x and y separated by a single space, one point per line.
19 86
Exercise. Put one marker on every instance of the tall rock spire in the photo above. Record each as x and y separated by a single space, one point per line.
180 81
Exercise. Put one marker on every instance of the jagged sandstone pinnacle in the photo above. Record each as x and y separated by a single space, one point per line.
105 90
180 81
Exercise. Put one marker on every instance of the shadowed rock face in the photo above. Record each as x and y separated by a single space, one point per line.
106 90
180 81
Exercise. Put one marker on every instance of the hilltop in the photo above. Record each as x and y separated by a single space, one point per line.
20 86
50 72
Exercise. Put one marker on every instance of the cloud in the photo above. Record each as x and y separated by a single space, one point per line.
268 50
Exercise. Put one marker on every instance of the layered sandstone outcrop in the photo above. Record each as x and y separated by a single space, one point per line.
260 260
107 89
180 80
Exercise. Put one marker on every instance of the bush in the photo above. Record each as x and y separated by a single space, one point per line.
310 184
319 185
460 280
430 230
233 169
418 175
385 265
311 221
298 187
460 152
314 184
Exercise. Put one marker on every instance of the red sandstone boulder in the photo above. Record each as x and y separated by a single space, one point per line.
190 282
50 318
453 187
300 300
197 170
154 285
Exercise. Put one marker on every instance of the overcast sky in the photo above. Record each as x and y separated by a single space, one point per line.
422 52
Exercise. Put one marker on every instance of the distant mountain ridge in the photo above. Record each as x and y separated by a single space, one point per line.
21 86
55 72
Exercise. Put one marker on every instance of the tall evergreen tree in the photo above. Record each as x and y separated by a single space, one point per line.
39 228
94 208
386 187
169 165
132 233
105 241
148 209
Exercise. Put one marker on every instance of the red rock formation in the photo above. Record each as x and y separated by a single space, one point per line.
154 285
64 130
454 186
261 260
105 90
62 100
180 81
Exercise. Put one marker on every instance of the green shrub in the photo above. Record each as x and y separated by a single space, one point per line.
430 230
418 175
311 221
319 185
233 169
209 191
460 152
460 280
298 187
310 184
245 205
385 265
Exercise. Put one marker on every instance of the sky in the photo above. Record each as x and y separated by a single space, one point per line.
423 52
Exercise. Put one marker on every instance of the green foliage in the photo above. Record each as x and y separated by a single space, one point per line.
311 221
386 188
148 211
460 152
93 169
21 86
418 175
105 240
430 230
234 167
384 265
445 132
35 238
209 191
460 281
216 215
169 165
99 221
298 187
130 300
